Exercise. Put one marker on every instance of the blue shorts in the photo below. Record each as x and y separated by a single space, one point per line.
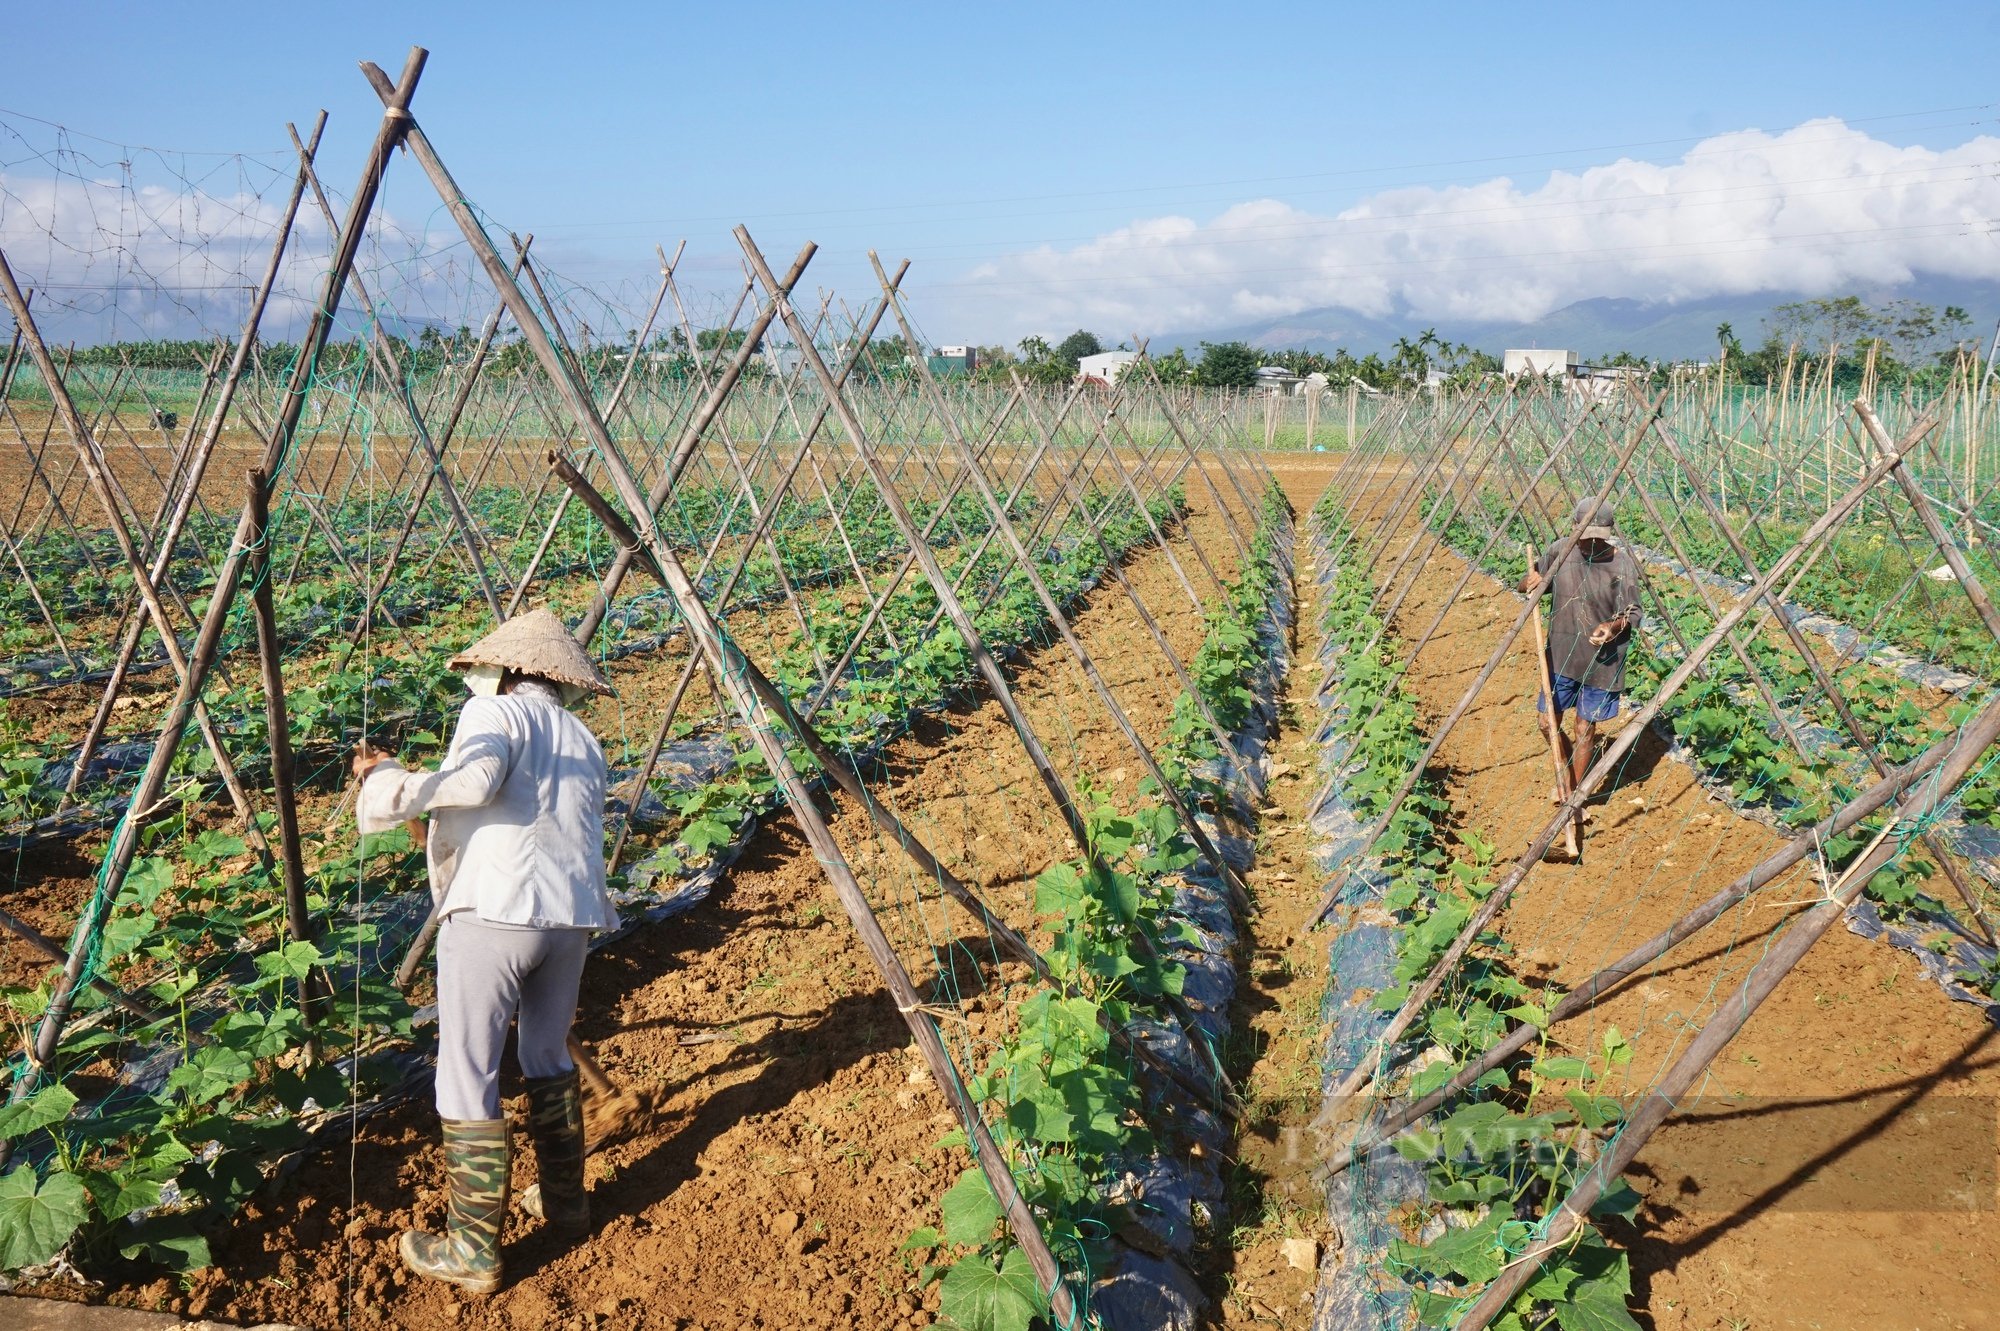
1590 704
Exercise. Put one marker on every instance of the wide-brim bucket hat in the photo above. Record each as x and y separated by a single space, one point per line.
535 643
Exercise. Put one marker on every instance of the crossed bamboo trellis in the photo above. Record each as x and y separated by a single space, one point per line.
1425 467
1009 475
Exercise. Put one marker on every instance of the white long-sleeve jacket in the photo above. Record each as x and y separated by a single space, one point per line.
517 832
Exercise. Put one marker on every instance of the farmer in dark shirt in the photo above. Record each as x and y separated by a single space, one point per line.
1595 610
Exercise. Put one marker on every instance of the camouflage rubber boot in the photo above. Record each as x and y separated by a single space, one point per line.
555 1121
475 1166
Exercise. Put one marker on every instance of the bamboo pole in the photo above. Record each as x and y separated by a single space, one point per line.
1828 687
197 466
1580 998
1239 894
1731 1015
278 730
708 634
152 781
1570 841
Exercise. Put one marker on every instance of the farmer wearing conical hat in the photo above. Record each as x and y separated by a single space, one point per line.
516 853
1594 610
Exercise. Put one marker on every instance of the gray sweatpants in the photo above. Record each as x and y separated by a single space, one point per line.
486 974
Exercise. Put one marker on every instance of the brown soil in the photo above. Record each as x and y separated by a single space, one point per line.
795 1144
1769 1216
1281 983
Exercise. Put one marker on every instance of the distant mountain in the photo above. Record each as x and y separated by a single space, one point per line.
1599 327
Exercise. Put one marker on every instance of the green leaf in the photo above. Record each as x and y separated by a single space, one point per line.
1552 1284
1436 1309
970 1209
1620 1199
395 841
117 1196
49 1105
1432 1077
211 1073
169 1240
260 1036
1391 999
978 1297
123 934
1417 1144
38 1216
1617 1049
1562 1069
1594 1111
1123 894
1597 1303
1482 1126
1470 1253
147 878
293 961
922 1238
1595 1306
212 846
705 834
1059 890
1043 1116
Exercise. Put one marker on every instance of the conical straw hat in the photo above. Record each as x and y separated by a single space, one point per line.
535 643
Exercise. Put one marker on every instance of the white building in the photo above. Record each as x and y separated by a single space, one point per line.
1535 360
1598 383
1277 381
954 360
1105 366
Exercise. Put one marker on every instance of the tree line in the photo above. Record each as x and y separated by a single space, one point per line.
1899 342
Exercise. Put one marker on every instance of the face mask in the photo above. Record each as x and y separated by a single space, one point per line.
483 680
572 694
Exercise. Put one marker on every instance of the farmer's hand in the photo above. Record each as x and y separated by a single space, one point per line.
416 828
366 755
1532 581
1606 631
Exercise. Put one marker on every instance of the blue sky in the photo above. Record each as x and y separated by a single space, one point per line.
968 137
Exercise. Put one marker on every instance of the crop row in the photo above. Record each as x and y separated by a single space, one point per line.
1128 924
1496 1160
412 691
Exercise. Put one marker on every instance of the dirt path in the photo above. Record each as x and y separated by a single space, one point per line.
1277 1015
796 1145
1854 1082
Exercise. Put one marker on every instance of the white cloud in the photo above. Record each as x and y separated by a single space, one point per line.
1815 208
1818 208
110 257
